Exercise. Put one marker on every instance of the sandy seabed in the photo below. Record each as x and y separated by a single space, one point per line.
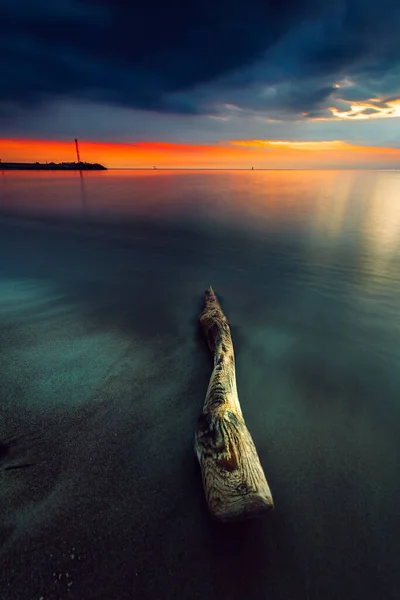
102 377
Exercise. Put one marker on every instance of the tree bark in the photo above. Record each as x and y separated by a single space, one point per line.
234 482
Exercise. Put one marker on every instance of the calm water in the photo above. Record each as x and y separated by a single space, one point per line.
101 279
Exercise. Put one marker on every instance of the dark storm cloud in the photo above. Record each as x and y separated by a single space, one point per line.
354 43
279 57
133 54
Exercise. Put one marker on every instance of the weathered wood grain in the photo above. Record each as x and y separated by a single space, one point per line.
234 482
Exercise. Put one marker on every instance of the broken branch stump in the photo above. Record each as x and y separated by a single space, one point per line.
233 478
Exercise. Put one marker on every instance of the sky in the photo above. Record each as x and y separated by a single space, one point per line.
202 83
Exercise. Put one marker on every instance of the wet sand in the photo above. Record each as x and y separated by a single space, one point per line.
103 375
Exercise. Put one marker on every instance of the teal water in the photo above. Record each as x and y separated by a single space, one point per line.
103 375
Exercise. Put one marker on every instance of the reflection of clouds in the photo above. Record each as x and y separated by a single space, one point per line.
340 198
381 231
383 225
348 196
332 201
279 197
323 204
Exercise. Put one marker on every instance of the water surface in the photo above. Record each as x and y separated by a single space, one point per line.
104 375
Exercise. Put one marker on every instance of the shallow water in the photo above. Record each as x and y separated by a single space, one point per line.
104 374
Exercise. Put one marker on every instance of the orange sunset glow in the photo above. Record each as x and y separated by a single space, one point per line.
224 155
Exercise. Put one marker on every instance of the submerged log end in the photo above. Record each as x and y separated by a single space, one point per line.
212 309
210 297
213 322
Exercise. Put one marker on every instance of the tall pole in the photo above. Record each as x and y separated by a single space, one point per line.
77 151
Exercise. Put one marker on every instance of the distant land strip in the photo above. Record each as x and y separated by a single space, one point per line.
36 166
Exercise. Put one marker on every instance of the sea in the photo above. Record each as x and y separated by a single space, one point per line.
103 374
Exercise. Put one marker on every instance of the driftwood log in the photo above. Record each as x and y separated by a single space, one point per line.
234 482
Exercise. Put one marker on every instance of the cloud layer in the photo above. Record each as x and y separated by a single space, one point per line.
279 60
